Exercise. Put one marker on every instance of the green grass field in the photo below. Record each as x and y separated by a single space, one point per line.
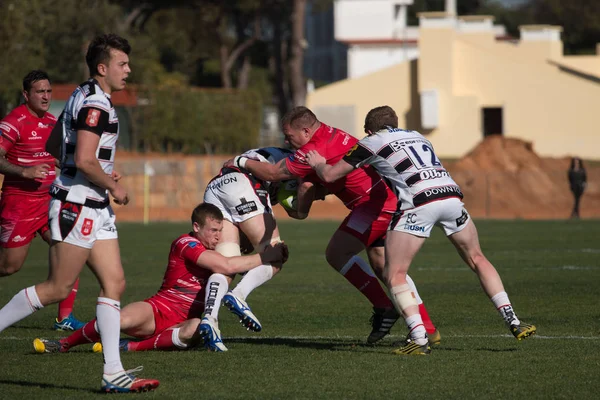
315 325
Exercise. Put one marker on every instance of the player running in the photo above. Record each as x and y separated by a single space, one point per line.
427 196
28 173
169 319
363 192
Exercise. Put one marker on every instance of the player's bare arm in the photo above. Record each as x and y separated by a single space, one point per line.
86 162
265 171
39 171
306 195
217 263
327 173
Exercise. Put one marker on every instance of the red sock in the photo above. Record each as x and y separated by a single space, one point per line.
367 284
429 327
162 341
87 334
65 307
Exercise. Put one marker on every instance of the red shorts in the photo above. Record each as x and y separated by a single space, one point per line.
366 226
21 217
167 314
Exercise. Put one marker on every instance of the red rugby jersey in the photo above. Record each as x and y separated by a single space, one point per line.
184 280
363 185
24 137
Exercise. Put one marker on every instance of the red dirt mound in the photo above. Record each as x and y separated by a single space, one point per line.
505 178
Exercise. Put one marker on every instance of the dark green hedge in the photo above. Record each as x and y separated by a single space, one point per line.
196 121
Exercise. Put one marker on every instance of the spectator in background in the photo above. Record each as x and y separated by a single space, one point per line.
577 181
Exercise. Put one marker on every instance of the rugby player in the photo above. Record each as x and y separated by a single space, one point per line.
427 196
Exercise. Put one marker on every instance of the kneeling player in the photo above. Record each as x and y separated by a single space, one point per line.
170 318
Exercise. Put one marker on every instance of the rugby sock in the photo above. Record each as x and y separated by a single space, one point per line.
416 329
360 275
87 334
253 279
216 288
108 314
65 307
22 305
422 310
162 341
502 304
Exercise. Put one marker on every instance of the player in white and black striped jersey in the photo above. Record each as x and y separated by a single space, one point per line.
427 196
80 217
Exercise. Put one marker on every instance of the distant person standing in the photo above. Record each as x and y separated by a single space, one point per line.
577 181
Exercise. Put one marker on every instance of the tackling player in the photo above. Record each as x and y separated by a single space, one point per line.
246 203
169 319
427 196
363 192
28 172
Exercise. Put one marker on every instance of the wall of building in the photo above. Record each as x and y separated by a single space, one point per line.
394 86
365 59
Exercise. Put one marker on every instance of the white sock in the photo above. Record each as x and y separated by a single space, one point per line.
361 263
216 288
108 316
414 289
22 305
176 341
502 304
253 279
416 329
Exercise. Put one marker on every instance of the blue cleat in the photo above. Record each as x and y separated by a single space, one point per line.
240 308
210 334
68 324
126 382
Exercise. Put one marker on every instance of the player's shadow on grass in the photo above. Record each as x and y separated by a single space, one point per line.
45 385
329 344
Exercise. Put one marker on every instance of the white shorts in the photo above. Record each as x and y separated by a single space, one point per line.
238 196
450 214
80 225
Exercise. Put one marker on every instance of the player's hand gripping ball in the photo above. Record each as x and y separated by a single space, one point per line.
287 195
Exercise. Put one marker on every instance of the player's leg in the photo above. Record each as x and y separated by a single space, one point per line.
12 258
240 202
65 321
383 320
466 241
66 262
401 248
179 336
105 263
17 230
137 319
353 236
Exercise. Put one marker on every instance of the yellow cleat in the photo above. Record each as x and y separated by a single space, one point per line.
413 349
523 330
49 346
435 338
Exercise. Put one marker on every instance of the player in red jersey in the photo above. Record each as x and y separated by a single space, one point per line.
28 172
363 191
169 320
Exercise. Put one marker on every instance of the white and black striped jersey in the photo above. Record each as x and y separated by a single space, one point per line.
90 109
406 160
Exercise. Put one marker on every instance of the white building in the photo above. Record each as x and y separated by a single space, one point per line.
377 34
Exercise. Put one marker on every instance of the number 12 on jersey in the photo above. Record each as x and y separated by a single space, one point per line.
422 156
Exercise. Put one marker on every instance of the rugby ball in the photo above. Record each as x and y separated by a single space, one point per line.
287 194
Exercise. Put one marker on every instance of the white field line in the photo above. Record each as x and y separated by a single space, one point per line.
257 338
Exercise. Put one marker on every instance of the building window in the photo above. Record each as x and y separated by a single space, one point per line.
492 121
